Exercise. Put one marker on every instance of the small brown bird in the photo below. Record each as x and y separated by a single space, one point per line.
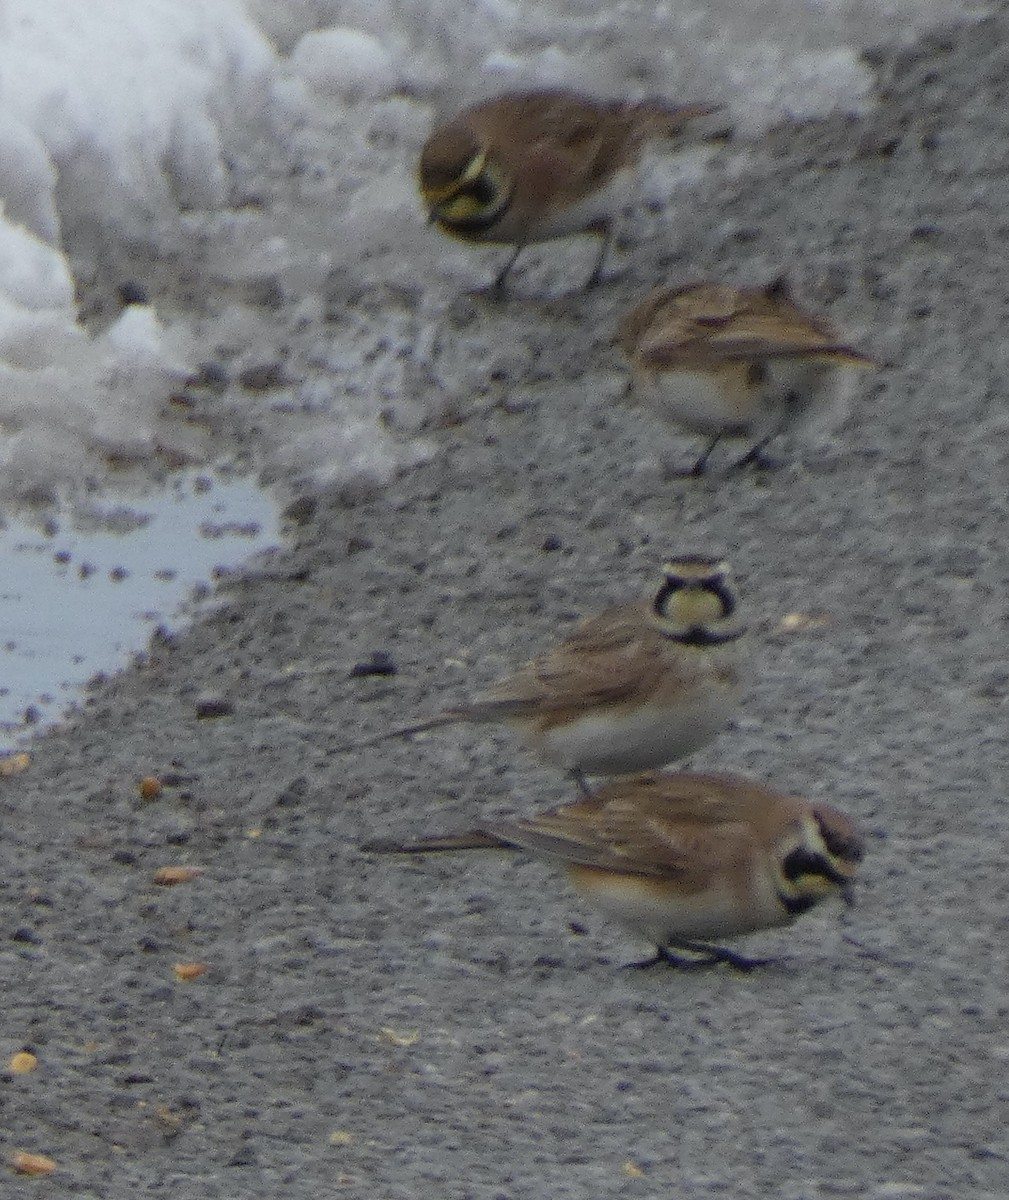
723 361
634 687
683 859
530 166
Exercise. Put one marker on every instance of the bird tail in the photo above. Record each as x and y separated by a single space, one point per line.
667 120
476 839
445 718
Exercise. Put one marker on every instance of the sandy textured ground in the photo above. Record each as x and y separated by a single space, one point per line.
397 1029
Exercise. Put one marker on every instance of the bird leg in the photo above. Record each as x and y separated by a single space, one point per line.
698 468
497 287
756 458
605 241
663 956
578 775
719 954
708 956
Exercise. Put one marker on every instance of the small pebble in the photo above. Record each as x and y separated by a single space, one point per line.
132 292
210 705
262 377
380 663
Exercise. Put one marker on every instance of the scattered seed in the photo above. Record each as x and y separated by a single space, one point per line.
13 764
186 972
23 1063
32 1164
170 876
794 621
408 1037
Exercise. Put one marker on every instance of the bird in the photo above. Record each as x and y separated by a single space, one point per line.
683 860
631 688
529 166
735 362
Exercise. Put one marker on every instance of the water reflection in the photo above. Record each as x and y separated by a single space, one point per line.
76 601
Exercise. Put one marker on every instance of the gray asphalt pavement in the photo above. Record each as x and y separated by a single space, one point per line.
459 1027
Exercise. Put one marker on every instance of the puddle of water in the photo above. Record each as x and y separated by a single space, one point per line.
76 602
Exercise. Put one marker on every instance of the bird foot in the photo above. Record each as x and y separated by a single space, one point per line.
706 956
759 460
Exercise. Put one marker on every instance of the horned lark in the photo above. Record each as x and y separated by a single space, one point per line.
634 687
530 166
684 859
722 361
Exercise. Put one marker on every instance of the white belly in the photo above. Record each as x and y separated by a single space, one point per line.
698 401
619 743
725 404
599 208
724 909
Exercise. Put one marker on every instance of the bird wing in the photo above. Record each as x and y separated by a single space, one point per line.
563 146
607 659
708 324
621 836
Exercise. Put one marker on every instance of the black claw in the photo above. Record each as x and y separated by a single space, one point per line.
718 954
699 467
706 956
740 962
664 957
756 458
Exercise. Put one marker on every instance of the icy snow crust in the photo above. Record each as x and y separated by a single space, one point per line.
270 147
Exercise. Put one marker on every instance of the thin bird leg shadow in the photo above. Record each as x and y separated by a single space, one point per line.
877 956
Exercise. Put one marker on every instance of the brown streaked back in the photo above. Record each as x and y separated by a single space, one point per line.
684 826
704 325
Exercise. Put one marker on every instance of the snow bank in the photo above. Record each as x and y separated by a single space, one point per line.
119 115
124 117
